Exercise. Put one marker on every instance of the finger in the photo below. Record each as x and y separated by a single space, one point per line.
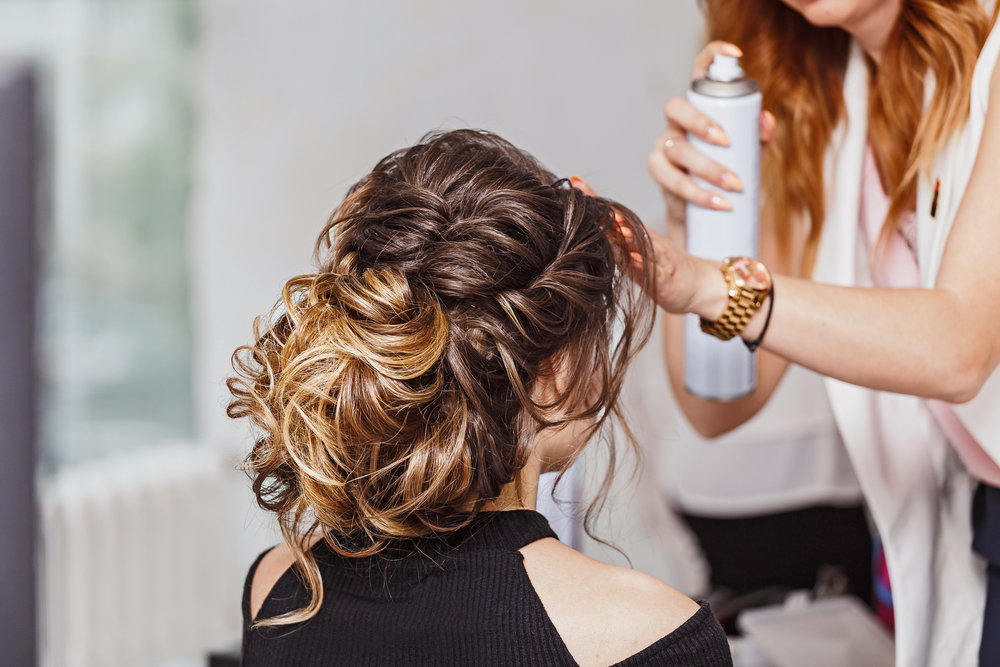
682 117
686 157
618 227
768 127
628 242
582 185
635 270
676 182
707 55
624 230
621 227
636 261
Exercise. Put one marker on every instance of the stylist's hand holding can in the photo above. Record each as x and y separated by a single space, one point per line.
711 147
674 161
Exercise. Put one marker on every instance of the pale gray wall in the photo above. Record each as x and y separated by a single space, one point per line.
299 99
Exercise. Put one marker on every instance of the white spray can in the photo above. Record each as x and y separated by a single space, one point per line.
715 369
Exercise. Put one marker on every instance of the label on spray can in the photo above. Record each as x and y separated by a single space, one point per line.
715 369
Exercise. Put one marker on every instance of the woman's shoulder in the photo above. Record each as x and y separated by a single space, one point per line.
607 614
265 573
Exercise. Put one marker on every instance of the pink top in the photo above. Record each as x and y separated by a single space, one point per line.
897 267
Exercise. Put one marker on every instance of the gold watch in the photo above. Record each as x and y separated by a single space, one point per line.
749 286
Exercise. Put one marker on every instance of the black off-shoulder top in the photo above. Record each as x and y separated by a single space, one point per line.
462 600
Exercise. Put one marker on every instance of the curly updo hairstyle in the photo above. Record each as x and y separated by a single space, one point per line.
392 392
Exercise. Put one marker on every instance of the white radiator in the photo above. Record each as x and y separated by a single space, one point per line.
138 559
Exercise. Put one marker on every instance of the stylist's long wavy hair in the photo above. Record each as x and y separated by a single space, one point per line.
801 67
393 392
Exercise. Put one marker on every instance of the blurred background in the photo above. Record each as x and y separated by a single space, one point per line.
167 165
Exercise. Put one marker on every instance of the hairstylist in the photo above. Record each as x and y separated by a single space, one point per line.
873 178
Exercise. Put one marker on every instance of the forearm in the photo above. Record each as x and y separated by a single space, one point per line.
937 343
940 343
909 341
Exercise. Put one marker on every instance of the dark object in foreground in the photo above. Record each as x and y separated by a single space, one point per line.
225 658
757 559
18 635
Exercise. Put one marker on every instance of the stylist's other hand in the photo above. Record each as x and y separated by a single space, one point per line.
673 160
682 283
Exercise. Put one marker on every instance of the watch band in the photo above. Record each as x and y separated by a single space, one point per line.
738 312
752 345
743 303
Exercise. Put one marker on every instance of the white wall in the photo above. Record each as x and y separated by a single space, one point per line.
299 99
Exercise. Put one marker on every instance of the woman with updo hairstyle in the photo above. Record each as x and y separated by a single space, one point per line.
469 329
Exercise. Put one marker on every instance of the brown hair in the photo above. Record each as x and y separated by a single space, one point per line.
393 391
800 68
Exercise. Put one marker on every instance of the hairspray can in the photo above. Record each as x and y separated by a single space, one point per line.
715 369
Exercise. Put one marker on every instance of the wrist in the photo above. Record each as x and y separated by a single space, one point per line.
712 295
749 285
755 326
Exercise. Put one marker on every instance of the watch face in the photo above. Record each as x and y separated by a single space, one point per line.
751 273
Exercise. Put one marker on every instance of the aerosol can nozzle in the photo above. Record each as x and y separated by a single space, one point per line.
725 68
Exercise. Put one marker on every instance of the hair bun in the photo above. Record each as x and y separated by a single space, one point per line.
338 342
376 318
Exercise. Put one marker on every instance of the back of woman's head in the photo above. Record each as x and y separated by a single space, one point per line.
394 391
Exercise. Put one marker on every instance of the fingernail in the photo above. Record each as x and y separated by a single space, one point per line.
730 182
717 135
721 204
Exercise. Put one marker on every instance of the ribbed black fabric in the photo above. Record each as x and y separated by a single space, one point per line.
464 600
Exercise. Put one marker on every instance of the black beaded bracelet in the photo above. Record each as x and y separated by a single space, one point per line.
752 345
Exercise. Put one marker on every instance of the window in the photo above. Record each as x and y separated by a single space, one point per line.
117 119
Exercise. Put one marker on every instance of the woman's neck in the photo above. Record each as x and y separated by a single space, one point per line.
519 495
872 26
